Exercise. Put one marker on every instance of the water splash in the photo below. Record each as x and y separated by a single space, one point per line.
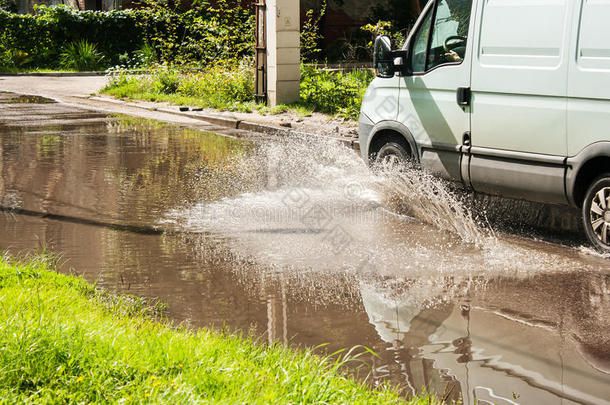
430 200
588 251
313 206
282 180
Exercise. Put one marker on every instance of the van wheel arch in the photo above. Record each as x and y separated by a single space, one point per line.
587 174
385 136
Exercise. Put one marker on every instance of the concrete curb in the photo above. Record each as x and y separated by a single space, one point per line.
231 122
55 74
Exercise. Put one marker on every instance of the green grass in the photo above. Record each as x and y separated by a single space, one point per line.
230 87
134 91
62 340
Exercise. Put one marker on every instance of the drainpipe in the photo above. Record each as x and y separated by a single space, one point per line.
260 53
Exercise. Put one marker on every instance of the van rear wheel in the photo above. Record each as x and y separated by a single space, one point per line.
596 213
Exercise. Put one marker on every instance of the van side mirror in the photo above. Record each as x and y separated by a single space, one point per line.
383 59
386 61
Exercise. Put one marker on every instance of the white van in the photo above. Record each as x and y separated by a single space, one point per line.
508 97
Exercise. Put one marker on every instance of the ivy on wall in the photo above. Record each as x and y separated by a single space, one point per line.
201 35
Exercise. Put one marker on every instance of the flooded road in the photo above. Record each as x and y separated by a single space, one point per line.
296 241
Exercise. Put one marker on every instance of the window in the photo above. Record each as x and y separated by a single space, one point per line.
420 45
447 41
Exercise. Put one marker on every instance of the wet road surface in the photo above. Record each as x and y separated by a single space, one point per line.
298 242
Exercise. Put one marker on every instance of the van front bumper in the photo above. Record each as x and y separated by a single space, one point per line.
365 127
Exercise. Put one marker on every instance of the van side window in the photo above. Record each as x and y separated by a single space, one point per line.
420 46
447 41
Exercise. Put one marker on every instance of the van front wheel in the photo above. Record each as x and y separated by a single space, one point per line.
596 213
392 155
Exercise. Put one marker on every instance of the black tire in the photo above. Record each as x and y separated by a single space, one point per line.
596 213
393 154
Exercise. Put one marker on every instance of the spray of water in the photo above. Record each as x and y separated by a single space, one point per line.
331 176
429 199
313 205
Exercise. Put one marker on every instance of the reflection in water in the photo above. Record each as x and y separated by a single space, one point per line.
25 99
494 345
297 242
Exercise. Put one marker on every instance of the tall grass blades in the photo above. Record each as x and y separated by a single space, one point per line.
81 56
230 86
64 341
334 92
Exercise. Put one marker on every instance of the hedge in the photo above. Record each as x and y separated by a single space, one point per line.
203 34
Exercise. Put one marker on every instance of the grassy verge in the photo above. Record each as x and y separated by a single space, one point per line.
61 340
230 87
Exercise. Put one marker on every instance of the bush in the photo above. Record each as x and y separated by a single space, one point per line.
225 86
221 85
334 92
167 81
230 86
8 5
146 55
221 30
200 36
81 56
310 34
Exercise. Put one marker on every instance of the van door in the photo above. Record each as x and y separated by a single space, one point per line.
519 98
439 53
589 78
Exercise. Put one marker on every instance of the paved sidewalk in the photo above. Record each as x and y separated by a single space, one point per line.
52 86
77 91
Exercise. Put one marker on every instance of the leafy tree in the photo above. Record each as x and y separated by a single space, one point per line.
310 33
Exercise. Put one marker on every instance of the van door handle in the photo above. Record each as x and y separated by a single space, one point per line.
463 96
466 139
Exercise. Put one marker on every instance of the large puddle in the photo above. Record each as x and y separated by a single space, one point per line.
296 241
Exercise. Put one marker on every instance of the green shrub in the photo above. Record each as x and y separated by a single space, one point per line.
8 5
167 81
310 34
20 58
13 58
146 55
81 56
230 86
334 92
153 33
226 86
